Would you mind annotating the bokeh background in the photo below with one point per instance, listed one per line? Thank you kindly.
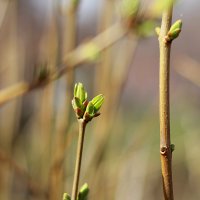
(38, 131)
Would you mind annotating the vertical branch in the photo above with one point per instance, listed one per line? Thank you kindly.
(165, 146)
(82, 125)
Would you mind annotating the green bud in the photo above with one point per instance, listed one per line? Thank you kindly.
(83, 109)
(76, 103)
(79, 91)
(66, 196)
(90, 108)
(174, 30)
(129, 8)
(78, 107)
(174, 34)
(97, 102)
(172, 147)
(176, 25)
(89, 112)
(83, 193)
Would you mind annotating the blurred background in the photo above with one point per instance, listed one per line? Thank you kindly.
(38, 129)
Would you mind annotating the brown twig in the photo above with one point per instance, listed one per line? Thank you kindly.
(165, 144)
(71, 61)
(82, 126)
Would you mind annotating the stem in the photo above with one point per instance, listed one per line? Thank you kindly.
(165, 150)
(82, 126)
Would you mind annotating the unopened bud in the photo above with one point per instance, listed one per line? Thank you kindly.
(174, 31)
(89, 112)
(79, 91)
(97, 102)
(83, 193)
(172, 147)
(66, 196)
(78, 107)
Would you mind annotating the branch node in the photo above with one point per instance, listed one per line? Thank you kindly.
(163, 150)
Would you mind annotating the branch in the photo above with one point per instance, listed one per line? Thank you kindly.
(71, 61)
(165, 145)
(82, 126)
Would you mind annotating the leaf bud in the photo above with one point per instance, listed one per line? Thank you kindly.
(66, 196)
(97, 102)
(174, 31)
(83, 193)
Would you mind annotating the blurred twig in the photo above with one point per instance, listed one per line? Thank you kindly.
(189, 69)
(72, 60)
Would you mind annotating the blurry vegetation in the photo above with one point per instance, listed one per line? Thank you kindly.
(111, 47)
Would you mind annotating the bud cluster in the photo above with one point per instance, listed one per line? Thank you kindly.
(83, 108)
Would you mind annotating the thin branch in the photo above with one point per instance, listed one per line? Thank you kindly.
(82, 126)
(165, 145)
(71, 61)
